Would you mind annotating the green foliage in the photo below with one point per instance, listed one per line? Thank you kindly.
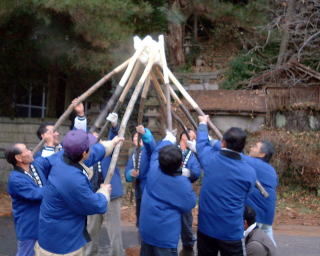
(154, 23)
(245, 66)
(80, 34)
(252, 13)
(241, 68)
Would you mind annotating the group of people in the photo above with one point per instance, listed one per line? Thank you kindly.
(61, 205)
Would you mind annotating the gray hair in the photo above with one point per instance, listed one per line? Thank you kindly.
(268, 149)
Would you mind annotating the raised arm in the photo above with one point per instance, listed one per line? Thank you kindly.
(147, 138)
(80, 121)
(204, 149)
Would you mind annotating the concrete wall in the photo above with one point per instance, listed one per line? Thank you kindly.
(19, 130)
(250, 124)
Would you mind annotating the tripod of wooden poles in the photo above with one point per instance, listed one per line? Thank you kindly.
(151, 55)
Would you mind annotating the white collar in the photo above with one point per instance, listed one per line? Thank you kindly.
(249, 229)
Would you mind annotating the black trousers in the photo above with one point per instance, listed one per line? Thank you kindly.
(209, 246)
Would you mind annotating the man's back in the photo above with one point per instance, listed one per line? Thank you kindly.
(259, 244)
(226, 184)
(227, 181)
(164, 199)
(67, 200)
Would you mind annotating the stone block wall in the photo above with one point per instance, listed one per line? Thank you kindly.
(297, 120)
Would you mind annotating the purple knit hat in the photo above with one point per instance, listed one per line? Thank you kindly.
(75, 142)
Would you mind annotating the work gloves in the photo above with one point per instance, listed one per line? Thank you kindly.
(170, 136)
(105, 189)
(192, 145)
(113, 119)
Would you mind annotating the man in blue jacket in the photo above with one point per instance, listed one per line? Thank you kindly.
(137, 170)
(227, 182)
(259, 157)
(68, 198)
(167, 195)
(25, 186)
(191, 169)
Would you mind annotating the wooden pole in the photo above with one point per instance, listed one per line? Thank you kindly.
(140, 119)
(109, 105)
(81, 98)
(180, 103)
(166, 82)
(143, 100)
(126, 117)
(122, 96)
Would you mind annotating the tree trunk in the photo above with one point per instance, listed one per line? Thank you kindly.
(286, 34)
(195, 27)
(175, 37)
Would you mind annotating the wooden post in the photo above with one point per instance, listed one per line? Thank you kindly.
(81, 98)
(126, 117)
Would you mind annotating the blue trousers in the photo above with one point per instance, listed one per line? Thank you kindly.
(25, 248)
(187, 237)
(150, 250)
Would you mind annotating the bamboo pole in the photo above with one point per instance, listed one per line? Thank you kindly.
(81, 98)
(180, 103)
(140, 118)
(109, 105)
(126, 117)
(143, 100)
(122, 96)
(166, 82)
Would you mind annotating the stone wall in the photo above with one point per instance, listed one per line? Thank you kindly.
(297, 120)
